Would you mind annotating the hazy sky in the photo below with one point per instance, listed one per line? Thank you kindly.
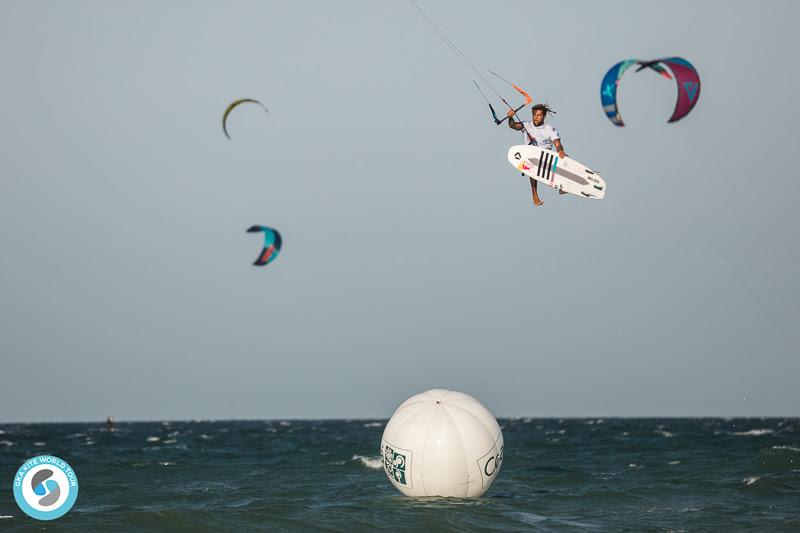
(413, 257)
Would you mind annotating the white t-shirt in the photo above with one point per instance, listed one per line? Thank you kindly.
(543, 135)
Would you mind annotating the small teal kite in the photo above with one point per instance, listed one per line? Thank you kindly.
(272, 244)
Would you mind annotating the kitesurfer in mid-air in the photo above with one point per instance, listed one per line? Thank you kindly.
(538, 133)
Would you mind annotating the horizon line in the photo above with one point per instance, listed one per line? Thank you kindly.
(386, 419)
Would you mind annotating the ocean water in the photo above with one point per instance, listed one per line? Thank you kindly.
(558, 475)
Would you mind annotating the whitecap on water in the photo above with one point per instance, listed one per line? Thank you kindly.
(373, 424)
(527, 518)
(534, 519)
(153, 439)
(6, 443)
(790, 448)
(750, 480)
(39, 444)
(753, 432)
(376, 463)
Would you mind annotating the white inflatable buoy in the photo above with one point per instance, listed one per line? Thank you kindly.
(442, 443)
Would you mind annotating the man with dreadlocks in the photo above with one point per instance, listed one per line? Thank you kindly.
(538, 133)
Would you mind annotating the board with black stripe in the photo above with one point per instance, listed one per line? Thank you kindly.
(564, 174)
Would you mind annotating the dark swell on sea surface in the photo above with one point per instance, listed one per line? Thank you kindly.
(558, 475)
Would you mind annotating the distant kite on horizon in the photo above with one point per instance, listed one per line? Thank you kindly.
(684, 74)
(232, 106)
(272, 244)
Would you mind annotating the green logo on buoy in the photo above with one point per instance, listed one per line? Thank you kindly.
(397, 465)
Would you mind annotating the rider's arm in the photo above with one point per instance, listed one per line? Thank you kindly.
(513, 124)
(559, 147)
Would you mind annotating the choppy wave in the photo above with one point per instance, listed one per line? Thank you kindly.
(777, 484)
(376, 463)
(754, 432)
(533, 519)
(528, 518)
(777, 458)
(789, 448)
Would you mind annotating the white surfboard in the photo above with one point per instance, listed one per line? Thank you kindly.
(564, 174)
